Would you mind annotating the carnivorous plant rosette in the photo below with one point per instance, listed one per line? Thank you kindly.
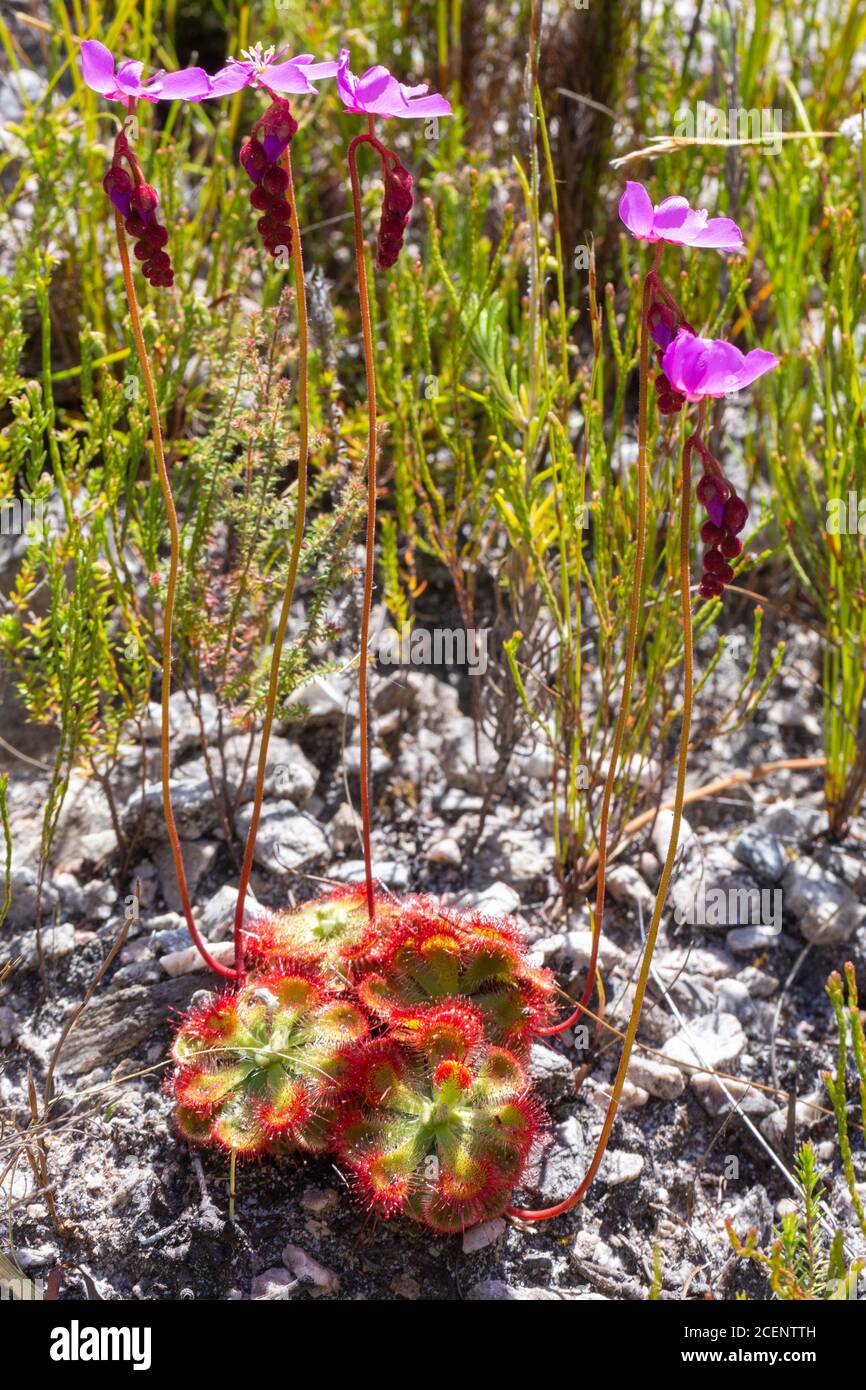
(443, 1134)
(261, 1068)
(431, 955)
(332, 930)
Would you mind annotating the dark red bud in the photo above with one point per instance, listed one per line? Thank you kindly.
(731, 546)
(144, 201)
(736, 514)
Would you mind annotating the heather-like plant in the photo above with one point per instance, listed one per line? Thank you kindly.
(801, 1264)
(849, 1022)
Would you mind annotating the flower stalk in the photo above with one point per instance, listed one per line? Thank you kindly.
(294, 563)
(547, 1213)
(171, 591)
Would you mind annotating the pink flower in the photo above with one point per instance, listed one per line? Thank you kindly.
(260, 68)
(122, 82)
(673, 220)
(377, 93)
(699, 367)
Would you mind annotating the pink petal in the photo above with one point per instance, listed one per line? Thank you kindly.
(231, 79)
(427, 106)
(288, 77)
(755, 364)
(373, 85)
(188, 84)
(97, 66)
(317, 70)
(128, 79)
(671, 213)
(720, 233)
(725, 368)
(636, 210)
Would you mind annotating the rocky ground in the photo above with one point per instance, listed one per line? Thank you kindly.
(147, 1218)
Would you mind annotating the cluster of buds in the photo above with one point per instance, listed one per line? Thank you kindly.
(396, 207)
(260, 156)
(137, 202)
(397, 1045)
(664, 321)
(727, 514)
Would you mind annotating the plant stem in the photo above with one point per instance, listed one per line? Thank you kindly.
(233, 1166)
(370, 539)
(171, 589)
(545, 1214)
(294, 562)
(630, 649)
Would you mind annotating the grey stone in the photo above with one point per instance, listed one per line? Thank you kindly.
(497, 1291)
(659, 1078)
(190, 959)
(309, 1271)
(197, 855)
(22, 909)
(444, 850)
(551, 1072)
(718, 1038)
(287, 839)
(57, 942)
(460, 764)
(618, 1168)
(709, 1092)
(763, 853)
(117, 1021)
(289, 774)
(217, 919)
(391, 872)
(626, 885)
(195, 810)
(99, 899)
(744, 940)
(826, 909)
(479, 1237)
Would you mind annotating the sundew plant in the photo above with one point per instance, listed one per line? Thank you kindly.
(537, 334)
